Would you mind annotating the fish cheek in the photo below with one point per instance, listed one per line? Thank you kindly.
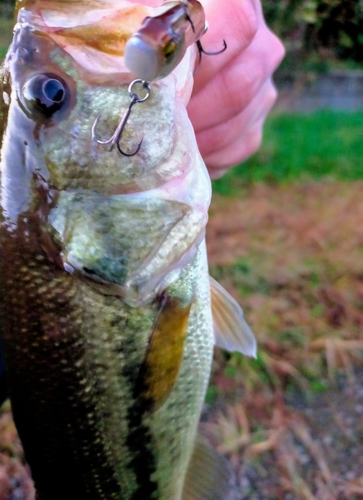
(40, 94)
(160, 368)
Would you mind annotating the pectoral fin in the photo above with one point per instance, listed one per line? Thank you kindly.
(230, 328)
(209, 476)
(164, 356)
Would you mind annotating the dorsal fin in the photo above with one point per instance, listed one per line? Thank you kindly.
(209, 475)
(230, 328)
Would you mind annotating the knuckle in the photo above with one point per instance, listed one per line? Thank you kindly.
(236, 153)
(277, 50)
(216, 138)
(271, 96)
(234, 99)
(253, 78)
(240, 86)
(248, 20)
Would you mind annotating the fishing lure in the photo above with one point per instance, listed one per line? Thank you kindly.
(116, 137)
(156, 49)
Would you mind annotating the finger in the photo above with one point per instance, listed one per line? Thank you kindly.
(225, 134)
(238, 147)
(218, 162)
(231, 90)
(237, 27)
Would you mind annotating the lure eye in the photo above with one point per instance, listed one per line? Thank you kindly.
(45, 93)
(169, 50)
(150, 61)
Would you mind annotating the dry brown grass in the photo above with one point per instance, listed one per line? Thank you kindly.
(293, 257)
(304, 249)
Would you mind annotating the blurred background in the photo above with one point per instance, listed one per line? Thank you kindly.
(286, 239)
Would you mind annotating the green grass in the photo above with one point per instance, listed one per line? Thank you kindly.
(6, 34)
(298, 147)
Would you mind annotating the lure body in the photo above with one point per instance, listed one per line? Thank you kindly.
(160, 43)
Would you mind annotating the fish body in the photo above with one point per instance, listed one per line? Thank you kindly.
(105, 303)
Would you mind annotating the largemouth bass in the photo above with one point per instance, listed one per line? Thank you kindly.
(105, 298)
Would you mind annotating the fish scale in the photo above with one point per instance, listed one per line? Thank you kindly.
(68, 406)
(44, 394)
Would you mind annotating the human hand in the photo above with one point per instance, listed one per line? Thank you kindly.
(233, 91)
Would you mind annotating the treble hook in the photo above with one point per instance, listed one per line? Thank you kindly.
(116, 137)
(199, 43)
(202, 51)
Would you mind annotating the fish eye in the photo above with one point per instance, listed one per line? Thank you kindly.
(45, 93)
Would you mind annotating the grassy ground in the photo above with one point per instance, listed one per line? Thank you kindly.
(6, 27)
(300, 147)
(286, 238)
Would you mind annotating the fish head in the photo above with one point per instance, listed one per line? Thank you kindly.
(53, 161)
